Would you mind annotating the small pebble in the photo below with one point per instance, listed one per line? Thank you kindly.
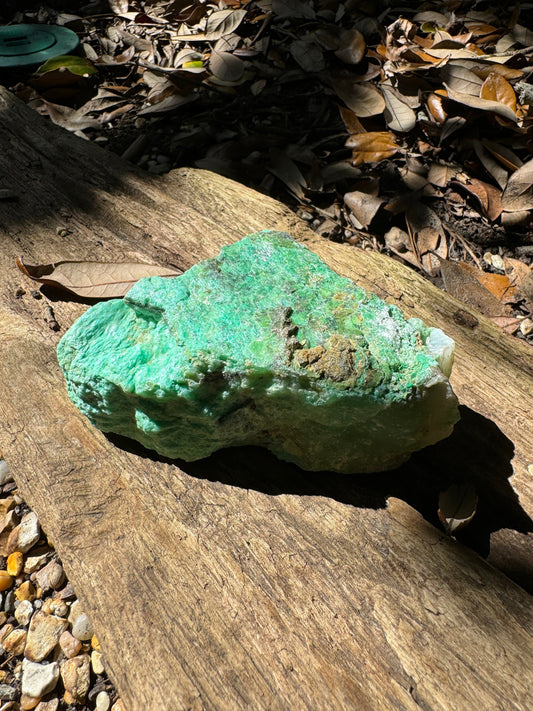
(15, 642)
(7, 693)
(75, 610)
(24, 612)
(51, 576)
(35, 561)
(97, 663)
(5, 473)
(95, 644)
(9, 602)
(162, 159)
(76, 673)
(43, 635)
(526, 326)
(28, 533)
(103, 701)
(6, 581)
(15, 563)
(39, 679)
(55, 606)
(51, 705)
(5, 630)
(118, 706)
(26, 591)
(82, 628)
(497, 262)
(28, 702)
(69, 644)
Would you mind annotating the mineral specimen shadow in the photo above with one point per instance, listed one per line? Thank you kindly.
(477, 453)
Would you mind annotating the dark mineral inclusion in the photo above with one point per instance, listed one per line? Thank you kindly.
(262, 345)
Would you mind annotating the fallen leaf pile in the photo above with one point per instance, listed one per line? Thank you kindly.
(407, 130)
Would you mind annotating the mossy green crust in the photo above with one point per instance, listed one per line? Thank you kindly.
(263, 345)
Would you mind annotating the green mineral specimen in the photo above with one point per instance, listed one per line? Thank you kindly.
(262, 345)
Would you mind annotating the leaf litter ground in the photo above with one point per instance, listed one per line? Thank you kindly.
(406, 132)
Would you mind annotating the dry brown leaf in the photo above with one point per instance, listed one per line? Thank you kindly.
(508, 324)
(440, 174)
(497, 88)
(457, 506)
(492, 166)
(363, 206)
(483, 71)
(434, 103)
(516, 270)
(476, 102)
(499, 285)
(398, 115)
(504, 155)
(489, 197)
(459, 281)
(518, 195)
(461, 79)
(352, 123)
(226, 66)
(362, 99)
(93, 280)
(372, 147)
(119, 7)
(352, 46)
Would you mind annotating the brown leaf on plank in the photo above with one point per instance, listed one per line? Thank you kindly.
(372, 147)
(499, 285)
(508, 324)
(93, 280)
(459, 281)
(457, 506)
(488, 196)
(497, 88)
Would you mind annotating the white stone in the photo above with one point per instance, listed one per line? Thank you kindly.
(5, 473)
(28, 532)
(23, 612)
(82, 628)
(103, 702)
(38, 679)
(96, 662)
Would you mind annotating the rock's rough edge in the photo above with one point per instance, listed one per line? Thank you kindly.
(317, 393)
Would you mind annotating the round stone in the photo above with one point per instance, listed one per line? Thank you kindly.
(82, 628)
(103, 701)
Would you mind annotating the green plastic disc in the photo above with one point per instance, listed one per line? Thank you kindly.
(27, 45)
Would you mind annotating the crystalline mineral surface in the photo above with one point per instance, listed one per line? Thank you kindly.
(265, 345)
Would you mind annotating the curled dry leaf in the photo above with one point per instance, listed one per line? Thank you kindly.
(372, 147)
(362, 99)
(497, 88)
(352, 47)
(461, 282)
(363, 206)
(476, 102)
(518, 195)
(93, 280)
(398, 115)
(488, 196)
(457, 506)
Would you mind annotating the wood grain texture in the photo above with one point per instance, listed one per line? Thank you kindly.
(240, 581)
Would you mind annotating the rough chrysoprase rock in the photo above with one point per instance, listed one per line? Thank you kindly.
(263, 345)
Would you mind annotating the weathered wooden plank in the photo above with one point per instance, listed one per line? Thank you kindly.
(240, 581)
